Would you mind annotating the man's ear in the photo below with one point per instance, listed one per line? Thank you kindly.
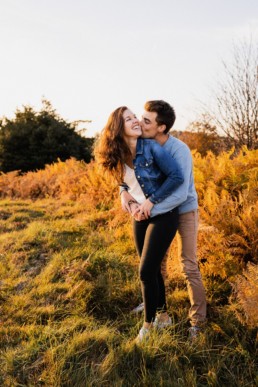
(161, 128)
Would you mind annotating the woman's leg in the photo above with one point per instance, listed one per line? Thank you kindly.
(161, 305)
(152, 238)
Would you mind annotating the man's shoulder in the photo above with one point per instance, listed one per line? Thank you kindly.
(174, 144)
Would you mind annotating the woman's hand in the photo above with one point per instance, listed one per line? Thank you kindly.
(135, 212)
(145, 209)
(134, 206)
(125, 199)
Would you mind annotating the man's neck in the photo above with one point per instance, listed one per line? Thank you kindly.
(161, 138)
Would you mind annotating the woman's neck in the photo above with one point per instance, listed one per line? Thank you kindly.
(132, 142)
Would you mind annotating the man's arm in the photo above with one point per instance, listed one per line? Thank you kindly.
(184, 160)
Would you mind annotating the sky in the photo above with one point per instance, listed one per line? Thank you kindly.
(87, 57)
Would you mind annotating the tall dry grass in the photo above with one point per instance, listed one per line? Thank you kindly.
(68, 280)
(227, 188)
(246, 296)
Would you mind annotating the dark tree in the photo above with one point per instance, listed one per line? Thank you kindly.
(33, 139)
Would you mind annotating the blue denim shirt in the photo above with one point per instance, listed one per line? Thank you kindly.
(156, 171)
(184, 197)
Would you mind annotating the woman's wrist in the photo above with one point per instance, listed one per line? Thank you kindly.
(132, 201)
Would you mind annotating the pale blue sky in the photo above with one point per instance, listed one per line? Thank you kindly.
(89, 57)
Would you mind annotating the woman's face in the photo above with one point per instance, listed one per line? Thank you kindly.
(131, 125)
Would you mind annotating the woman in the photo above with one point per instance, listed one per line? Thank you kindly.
(150, 175)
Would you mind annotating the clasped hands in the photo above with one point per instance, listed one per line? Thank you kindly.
(138, 211)
(141, 211)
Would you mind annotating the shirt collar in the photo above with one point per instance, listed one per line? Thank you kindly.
(139, 146)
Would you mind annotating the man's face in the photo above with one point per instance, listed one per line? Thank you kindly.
(149, 125)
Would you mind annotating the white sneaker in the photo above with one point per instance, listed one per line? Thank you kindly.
(143, 335)
(194, 332)
(138, 309)
(162, 324)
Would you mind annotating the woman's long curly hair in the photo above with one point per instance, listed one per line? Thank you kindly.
(111, 151)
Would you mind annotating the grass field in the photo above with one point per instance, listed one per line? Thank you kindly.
(69, 280)
(68, 284)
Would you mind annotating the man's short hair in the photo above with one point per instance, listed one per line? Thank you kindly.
(165, 113)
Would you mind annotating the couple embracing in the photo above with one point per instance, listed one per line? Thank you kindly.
(155, 174)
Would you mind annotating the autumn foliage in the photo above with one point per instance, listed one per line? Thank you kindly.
(227, 190)
(69, 281)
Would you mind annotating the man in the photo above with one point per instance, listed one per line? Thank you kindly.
(157, 120)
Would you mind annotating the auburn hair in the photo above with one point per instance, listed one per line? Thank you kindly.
(111, 150)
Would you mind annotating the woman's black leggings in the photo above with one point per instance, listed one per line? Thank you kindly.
(152, 238)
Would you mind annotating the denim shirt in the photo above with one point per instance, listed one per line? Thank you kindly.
(156, 171)
(184, 197)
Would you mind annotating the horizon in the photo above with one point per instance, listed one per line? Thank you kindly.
(88, 59)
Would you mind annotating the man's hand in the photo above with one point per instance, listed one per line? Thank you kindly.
(136, 213)
(145, 208)
(125, 198)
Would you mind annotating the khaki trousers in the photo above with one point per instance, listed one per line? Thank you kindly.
(187, 250)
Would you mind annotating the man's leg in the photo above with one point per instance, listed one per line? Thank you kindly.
(188, 228)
